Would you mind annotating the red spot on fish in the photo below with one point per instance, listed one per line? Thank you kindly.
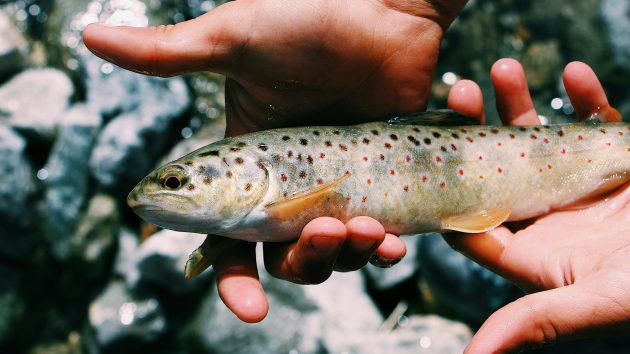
(499, 144)
(386, 194)
(469, 139)
(406, 188)
(481, 177)
(289, 154)
(461, 172)
(320, 181)
(407, 158)
(438, 159)
(608, 144)
(302, 174)
(347, 173)
(348, 198)
(369, 181)
(453, 147)
(522, 154)
(602, 130)
(363, 199)
(540, 170)
(500, 170)
(443, 148)
(443, 185)
(392, 172)
(480, 157)
(283, 177)
(591, 161)
(533, 136)
(388, 145)
(365, 158)
(382, 157)
(424, 179)
(512, 136)
(621, 133)
(549, 167)
(580, 138)
(322, 155)
(563, 151)
(546, 141)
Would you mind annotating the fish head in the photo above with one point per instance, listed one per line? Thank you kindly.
(203, 195)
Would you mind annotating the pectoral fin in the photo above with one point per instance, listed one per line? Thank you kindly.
(476, 222)
(207, 254)
(607, 185)
(286, 208)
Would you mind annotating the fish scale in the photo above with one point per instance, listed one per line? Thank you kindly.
(266, 186)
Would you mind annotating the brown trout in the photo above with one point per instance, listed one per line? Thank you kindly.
(415, 175)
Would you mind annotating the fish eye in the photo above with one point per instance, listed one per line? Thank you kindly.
(172, 183)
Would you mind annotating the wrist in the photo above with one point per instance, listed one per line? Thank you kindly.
(443, 12)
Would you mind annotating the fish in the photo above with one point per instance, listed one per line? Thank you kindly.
(428, 172)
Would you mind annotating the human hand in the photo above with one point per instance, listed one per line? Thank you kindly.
(574, 262)
(294, 63)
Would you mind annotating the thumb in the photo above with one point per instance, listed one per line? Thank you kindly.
(541, 319)
(204, 43)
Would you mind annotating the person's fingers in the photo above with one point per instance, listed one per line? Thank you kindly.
(204, 43)
(312, 258)
(238, 283)
(390, 252)
(465, 97)
(587, 94)
(545, 318)
(514, 103)
(364, 236)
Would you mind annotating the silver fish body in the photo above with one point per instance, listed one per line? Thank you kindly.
(267, 185)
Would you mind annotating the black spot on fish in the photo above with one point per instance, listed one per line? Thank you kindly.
(427, 141)
(394, 137)
(413, 140)
(299, 157)
(302, 174)
(235, 149)
(537, 129)
(443, 148)
(512, 136)
(560, 133)
(241, 144)
(375, 132)
(286, 138)
(276, 157)
(229, 174)
(415, 129)
(207, 180)
(343, 147)
(494, 131)
(436, 135)
(533, 136)
(188, 163)
(328, 143)
(336, 132)
(382, 157)
(523, 129)
(366, 141)
(191, 187)
(388, 145)
(303, 142)
(482, 134)
(309, 159)
(316, 133)
(455, 136)
(289, 154)
(209, 153)
(353, 142)
(201, 169)
(248, 187)
(239, 160)
(602, 130)
(263, 146)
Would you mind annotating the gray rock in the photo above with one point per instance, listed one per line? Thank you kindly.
(383, 279)
(96, 234)
(416, 334)
(120, 323)
(34, 101)
(13, 47)
(301, 318)
(461, 286)
(130, 144)
(616, 16)
(161, 261)
(16, 186)
(125, 265)
(68, 176)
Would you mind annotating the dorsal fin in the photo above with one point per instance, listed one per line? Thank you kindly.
(442, 117)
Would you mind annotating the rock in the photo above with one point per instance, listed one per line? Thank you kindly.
(415, 334)
(125, 265)
(383, 279)
(10, 304)
(460, 286)
(120, 323)
(96, 234)
(301, 318)
(616, 17)
(13, 48)
(131, 143)
(16, 185)
(68, 176)
(34, 101)
(161, 261)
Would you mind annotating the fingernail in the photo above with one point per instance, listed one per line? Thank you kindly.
(326, 245)
(383, 262)
(363, 245)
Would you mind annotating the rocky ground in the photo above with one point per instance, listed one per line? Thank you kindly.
(79, 272)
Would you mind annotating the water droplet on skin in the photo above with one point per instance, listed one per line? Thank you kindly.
(187, 132)
(107, 68)
(42, 174)
(425, 342)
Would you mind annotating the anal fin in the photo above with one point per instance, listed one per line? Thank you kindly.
(476, 222)
(608, 185)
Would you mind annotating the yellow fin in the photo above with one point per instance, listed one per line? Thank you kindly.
(207, 254)
(476, 222)
(295, 204)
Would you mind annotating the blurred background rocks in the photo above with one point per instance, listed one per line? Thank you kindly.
(79, 273)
